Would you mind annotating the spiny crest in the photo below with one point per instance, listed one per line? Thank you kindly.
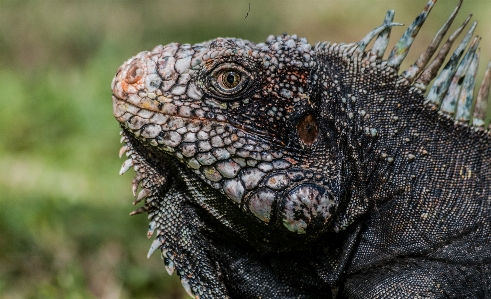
(452, 91)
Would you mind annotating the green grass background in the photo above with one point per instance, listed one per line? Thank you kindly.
(64, 225)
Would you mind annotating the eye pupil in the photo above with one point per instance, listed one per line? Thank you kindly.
(229, 79)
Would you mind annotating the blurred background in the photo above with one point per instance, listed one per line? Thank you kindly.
(64, 225)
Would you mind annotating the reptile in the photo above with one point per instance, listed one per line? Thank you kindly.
(286, 170)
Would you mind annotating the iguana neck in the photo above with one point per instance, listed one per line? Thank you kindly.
(393, 140)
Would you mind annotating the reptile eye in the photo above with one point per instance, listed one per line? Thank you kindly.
(229, 80)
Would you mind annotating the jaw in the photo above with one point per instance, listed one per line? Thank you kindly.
(161, 175)
(203, 237)
(166, 156)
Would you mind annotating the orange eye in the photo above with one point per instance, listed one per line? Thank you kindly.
(229, 79)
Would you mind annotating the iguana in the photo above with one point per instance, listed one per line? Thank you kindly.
(285, 170)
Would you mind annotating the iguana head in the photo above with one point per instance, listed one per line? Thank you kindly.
(243, 118)
(277, 127)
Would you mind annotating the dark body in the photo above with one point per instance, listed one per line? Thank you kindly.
(279, 170)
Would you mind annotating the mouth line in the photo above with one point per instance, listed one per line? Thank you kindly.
(175, 173)
(149, 105)
(151, 161)
(144, 151)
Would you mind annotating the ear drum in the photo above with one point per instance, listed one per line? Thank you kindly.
(307, 129)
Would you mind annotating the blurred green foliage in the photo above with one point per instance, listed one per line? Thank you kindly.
(64, 229)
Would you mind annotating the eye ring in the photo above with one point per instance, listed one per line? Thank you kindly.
(229, 80)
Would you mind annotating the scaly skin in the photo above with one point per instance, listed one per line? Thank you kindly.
(278, 170)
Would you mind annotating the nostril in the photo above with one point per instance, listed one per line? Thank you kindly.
(134, 73)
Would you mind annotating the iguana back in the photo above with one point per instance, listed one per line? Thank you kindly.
(281, 170)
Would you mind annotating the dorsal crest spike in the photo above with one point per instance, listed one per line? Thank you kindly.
(450, 100)
(400, 50)
(382, 40)
(361, 45)
(412, 73)
(442, 82)
(431, 71)
(467, 94)
(479, 116)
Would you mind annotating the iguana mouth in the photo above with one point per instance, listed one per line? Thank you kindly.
(150, 158)
(126, 109)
